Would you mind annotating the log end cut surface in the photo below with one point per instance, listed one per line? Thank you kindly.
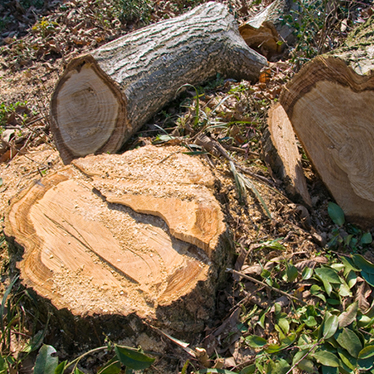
(88, 110)
(121, 234)
(330, 107)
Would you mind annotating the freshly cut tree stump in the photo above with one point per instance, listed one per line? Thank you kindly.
(330, 104)
(282, 154)
(139, 233)
(104, 97)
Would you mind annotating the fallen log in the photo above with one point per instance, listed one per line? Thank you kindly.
(329, 103)
(104, 97)
(139, 234)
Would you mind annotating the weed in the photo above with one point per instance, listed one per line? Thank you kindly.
(7, 110)
(45, 27)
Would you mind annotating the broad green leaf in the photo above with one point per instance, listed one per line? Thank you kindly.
(315, 289)
(336, 214)
(347, 317)
(328, 274)
(77, 371)
(113, 366)
(338, 267)
(369, 277)
(3, 365)
(310, 321)
(291, 273)
(349, 341)
(255, 341)
(344, 290)
(306, 366)
(347, 359)
(330, 326)
(273, 348)
(351, 278)
(349, 265)
(326, 358)
(367, 352)
(327, 286)
(363, 264)
(284, 325)
(281, 367)
(363, 321)
(61, 367)
(299, 355)
(250, 369)
(333, 301)
(45, 363)
(366, 238)
(132, 358)
(307, 273)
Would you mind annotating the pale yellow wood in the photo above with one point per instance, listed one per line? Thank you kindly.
(122, 234)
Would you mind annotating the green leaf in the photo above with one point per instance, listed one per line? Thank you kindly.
(310, 321)
(366, 238)
(281, 367)
(327, 286)
(307, 273)
(365, 363)
(77, 371)
(351, 278)
(326, 358)
(1, 182)
(306, 366)
(250, 369)
(369, 277)
(255, 341)
(113, 366)
(132, 358)
(347, 359)
(363, 264)
(349, 265)
(45, 362)
(367, 352)
(349, 341)
(330, 326)
(330, 370)
(291, 273)
(61, 367)
(3, 365)
(35, 342)
(327, 274)
(347, 317)
(336, 214)
(284, 325)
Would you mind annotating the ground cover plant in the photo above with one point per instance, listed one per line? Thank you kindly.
(300, 297)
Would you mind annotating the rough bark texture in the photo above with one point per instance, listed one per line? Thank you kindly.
(282, 154)
(106, 96)
(119, 235)
(329, 103)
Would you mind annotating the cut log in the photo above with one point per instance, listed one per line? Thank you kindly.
(281, 153)
(329, 103)
(104, 97)
(117, 235)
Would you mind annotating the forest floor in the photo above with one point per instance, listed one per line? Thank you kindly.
(37, 39)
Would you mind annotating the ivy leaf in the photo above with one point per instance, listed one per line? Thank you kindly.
(255, 341)
(326, 358)
(349, 341)
(132, 358)
(336, 214)
(45, 362)
(347, 317)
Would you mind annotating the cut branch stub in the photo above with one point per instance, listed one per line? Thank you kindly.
(330, 108)
(120, 234)
(106, 96)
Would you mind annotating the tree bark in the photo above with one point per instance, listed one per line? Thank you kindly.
(329, 103)
(119, 235)
(104, 97)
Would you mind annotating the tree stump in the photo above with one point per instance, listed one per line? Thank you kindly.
(104, 97)
(115, 235)
(329, 103)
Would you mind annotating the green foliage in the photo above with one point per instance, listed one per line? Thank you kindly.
(7, 110)
(321, 334)
(132, 359)
(350, 237)
(45, 27)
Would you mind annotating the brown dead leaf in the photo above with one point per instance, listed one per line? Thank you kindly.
(362, 293)
(311, 263)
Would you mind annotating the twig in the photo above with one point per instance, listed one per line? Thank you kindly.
(267, 286)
